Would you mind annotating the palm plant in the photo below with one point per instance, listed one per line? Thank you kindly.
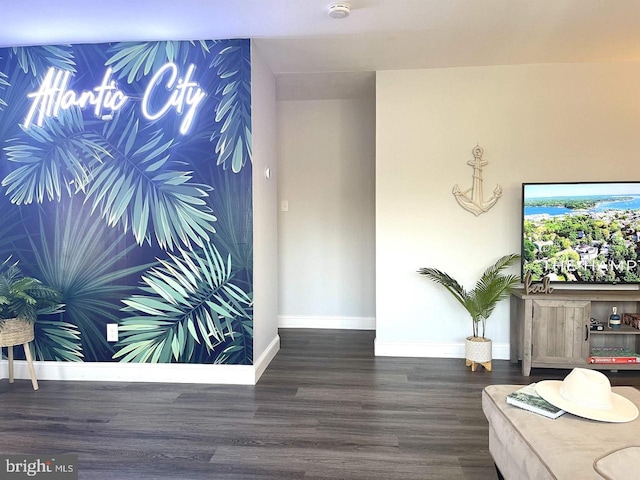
(480, 301)
(24, 297)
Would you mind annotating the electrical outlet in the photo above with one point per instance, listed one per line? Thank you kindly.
(112, 332)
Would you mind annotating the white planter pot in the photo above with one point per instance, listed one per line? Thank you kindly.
(478, 349)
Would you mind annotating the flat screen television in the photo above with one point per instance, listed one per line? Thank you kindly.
(585, 232)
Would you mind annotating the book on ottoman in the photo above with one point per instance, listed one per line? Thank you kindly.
(528, 399)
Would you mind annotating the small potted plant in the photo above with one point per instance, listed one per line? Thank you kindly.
(480, 302)
(21, 299)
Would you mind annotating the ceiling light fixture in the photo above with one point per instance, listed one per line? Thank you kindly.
(339, 10)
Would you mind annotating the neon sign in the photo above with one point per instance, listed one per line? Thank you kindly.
(181, 94)
(54, 95)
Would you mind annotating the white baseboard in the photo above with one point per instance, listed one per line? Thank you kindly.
(340, 323)
(138, 372)
(265, 359)
(437, 350)
(146, 372)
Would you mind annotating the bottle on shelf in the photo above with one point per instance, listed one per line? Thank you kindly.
(614, 319)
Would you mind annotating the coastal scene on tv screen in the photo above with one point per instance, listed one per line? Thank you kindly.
(581, 232)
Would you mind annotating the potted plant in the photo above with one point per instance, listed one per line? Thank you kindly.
(21, 299)
(480, 302)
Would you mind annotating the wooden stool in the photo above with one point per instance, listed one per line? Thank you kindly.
(16, 331)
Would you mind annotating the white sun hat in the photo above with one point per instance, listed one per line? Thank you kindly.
(587, 393)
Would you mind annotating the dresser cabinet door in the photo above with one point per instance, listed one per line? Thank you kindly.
(560, 332)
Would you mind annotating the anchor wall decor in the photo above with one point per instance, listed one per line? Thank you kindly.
(472, 199)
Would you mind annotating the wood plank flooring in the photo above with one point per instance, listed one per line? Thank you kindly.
(326, 408)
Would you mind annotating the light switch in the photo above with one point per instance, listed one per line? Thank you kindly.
(285, 206)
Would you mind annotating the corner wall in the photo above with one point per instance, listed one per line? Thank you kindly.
(569, 122)
(266, 341)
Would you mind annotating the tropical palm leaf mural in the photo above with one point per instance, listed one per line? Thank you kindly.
(57, 157)
(14, 96)
(13, 234)
(134, 60)
(232, 64)
(37, 60)
(233, 113)
(99, 198)
(140, 188)
(3, 83)
(58, 341)
(189, 299)
(239, 347)
(127, 171)
(76, 254)
(234, 226)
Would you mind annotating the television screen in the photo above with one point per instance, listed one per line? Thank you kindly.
(581, 232)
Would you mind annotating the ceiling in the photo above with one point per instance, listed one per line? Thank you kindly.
(315, 56)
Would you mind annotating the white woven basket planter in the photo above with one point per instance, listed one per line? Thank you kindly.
(18, 331)
(15, 331)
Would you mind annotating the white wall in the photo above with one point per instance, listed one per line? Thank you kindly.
(570, 122)
(266, 341)
(326, 156)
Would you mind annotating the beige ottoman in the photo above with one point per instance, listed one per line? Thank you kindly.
(525, 445)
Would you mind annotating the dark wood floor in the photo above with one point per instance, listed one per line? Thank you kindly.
(326, 408)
